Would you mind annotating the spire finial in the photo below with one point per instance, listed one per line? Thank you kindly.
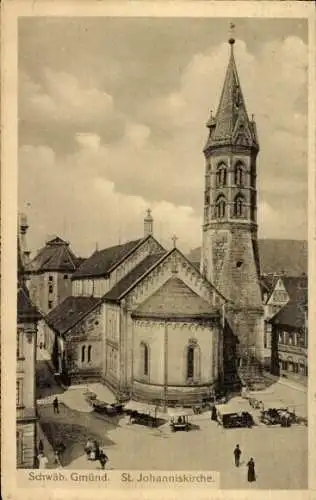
(174, 239)
(148, 223)
(231, 39)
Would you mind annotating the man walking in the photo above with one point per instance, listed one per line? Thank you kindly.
(56, 405)
(237, 453)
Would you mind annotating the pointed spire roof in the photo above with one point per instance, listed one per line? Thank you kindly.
(231, 125)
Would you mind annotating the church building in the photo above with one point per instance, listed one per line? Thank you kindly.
(145, 320)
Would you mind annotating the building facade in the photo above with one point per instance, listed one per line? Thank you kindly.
(288, 328)
(49, 278)
(230, 258)
(26, 413)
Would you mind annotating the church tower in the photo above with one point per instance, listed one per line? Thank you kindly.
(230, 257)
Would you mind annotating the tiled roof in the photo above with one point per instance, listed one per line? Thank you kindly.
(231, 117)
(293, 313)
(175, 299)
(283, 256)
(70, 312)
(296, 287)
(275, 256)
(101, 261)
(125, 283)
(25, 309)
(55, 256)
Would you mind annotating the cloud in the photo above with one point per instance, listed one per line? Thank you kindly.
(88, 208)
(156, 160)
(61, 98)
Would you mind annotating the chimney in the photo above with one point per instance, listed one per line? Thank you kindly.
(148, 224)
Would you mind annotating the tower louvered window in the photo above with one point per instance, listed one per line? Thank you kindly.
(220, 208)
(239, 174)
(221, 174)
(239, 206)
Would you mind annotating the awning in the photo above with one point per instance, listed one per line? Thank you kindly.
(270, 404)
(180, 412)
(232, 407)
(140, 407)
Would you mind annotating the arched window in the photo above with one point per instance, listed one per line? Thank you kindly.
(193, 361)
(89, 353)
(220, 210)
(190, 362)
(83, 352)
(221, 174)
(239, 206)
(239, 174)
(144, 359)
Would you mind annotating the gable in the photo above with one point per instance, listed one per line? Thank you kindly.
(279, 294)
(174, 263)
(173, 299)
(101, 261)
(147, 247)
(114, 262)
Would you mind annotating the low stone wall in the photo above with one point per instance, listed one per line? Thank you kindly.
(84, 376)
(181, 395)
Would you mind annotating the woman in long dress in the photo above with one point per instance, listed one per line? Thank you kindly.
(251, 471)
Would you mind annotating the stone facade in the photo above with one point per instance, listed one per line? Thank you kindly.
(161, 359)
(230, 257)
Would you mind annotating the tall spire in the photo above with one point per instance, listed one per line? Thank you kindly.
(231, 125)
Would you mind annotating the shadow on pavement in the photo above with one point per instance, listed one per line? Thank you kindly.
(73, 428)
(46, 385)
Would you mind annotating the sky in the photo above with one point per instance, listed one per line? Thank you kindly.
(112, 121)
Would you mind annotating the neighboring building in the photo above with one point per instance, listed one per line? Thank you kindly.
(277, 292)
(26, 414)
(287, 334)
(230, 258)
(49, 277)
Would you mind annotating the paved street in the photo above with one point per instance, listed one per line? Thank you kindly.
(280, 454)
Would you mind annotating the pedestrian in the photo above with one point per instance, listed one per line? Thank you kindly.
(103, 459)
(214, 414)
(251, 471)
(40, 446)
(42, 461)
(56, 405)
(57, 459)
(237, 453)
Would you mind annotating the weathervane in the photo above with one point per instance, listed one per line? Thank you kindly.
(231, 33)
